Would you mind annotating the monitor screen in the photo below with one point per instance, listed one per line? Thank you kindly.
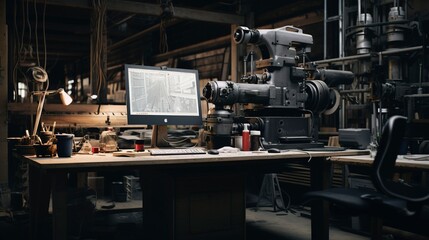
(162, 96)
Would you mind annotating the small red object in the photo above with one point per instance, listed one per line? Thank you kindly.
(95, 149)
(139, 146)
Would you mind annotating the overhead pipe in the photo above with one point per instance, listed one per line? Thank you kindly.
(362, 56)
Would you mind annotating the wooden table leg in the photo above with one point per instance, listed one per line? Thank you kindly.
(39, 190)
(320, 179)
(59, 206)
(158, 205)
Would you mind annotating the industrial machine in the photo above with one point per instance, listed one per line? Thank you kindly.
(391, 66)
(283, 98)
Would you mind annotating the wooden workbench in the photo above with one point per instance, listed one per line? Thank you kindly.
(184, 197)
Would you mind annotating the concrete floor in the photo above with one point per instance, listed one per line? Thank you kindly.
(263, 224)
(266, 224)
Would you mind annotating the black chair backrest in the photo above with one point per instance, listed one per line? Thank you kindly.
(385, 160)
(424, 147)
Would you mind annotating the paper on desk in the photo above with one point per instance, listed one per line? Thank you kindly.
(130, 153)
(417, 157)
(129, 137)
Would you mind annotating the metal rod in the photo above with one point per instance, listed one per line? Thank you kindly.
(251, 63)
(374, 123)
(378, 23)
(367, 55)
(341, 24)
(245, 66)
(355, 91)
(420, 90)
(325, 19)
(359, 8)
(406, 9)
(340, 29)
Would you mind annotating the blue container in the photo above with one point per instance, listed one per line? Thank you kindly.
(64, 145)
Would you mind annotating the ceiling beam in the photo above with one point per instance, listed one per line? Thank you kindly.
(299, 21)
(63, 54)
(289, 10)
(134, 37)
(153, 10)
(202, 46)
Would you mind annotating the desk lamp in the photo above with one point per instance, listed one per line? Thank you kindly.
(41, 76)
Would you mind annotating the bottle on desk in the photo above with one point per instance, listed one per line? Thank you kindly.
(245, 137)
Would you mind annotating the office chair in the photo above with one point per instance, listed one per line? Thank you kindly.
(394, 199)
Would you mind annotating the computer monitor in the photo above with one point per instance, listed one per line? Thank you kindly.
(162, 96)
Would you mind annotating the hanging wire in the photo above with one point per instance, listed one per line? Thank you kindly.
(166, 15)
(44, 34)
(18, 47)
(29, 26)
(163, 42)
(100, 12)
(22, 51)
(35, 33)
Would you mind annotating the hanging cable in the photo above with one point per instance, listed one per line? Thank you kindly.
(99, 43)
(163, 43)
(35, 33)
(167, 12)
(44, 34)
(29, 29)
(17, 48)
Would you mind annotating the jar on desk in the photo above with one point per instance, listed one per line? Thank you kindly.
(108, 141)
(255, 136)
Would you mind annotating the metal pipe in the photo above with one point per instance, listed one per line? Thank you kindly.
(355, 91)
(374, 123)
(356, 57)
(325, 19)
(245, 65)
(342, 111)
(406, 9)
(380, 116)
(359, 8)
(340, 28)
(378, 23)
(420, 89)
(251, 63)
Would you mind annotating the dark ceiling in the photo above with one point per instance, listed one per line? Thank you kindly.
(67, 27)
(61, 30)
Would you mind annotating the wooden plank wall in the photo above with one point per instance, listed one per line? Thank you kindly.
(89, 115)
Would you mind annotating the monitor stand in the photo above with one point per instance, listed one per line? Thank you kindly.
(159, 136)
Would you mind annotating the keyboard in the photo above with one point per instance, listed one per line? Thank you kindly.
(325, 149)
(176, 151)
